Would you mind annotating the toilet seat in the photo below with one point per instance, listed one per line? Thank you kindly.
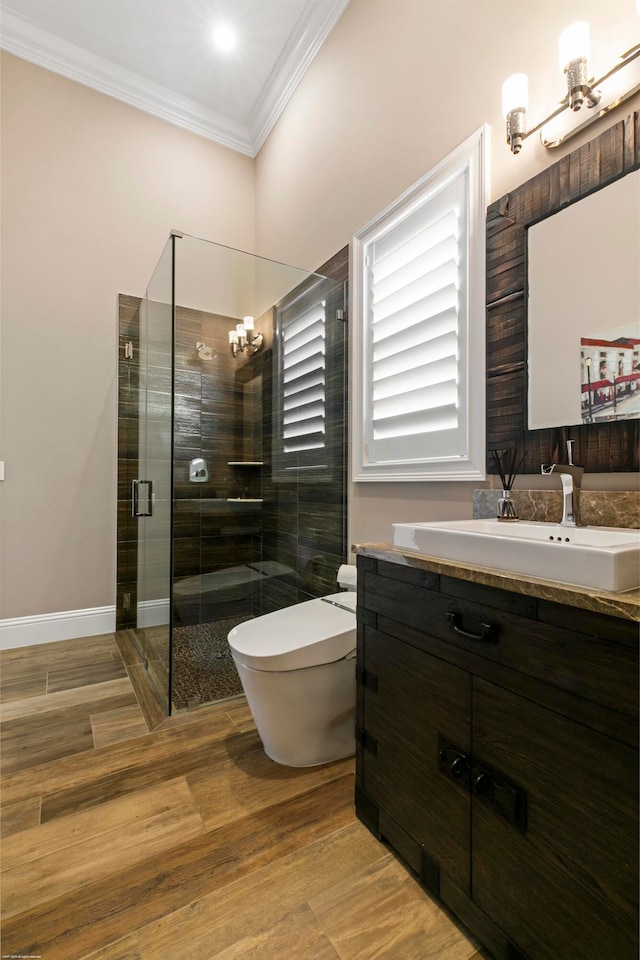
(304, 635)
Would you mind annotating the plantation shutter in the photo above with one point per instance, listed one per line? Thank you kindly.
(303, 417)
(414, 277)
(419, 359)
(306, 414)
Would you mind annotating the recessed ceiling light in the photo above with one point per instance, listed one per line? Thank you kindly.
(224, 37)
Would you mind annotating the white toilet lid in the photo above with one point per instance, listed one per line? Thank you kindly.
(303, 635)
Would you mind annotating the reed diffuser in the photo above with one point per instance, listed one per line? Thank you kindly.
(507, 465)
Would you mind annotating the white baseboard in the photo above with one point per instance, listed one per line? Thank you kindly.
(49, 627)
(71, 624)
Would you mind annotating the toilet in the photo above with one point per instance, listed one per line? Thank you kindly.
(297, 668)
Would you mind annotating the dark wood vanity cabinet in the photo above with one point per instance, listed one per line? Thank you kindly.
(498, 754)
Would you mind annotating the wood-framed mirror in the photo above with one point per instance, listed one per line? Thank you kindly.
(599, 447)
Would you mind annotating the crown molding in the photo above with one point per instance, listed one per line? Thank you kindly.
(25, 39)
(312, 29)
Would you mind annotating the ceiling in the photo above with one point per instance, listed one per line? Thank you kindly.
(159, 55)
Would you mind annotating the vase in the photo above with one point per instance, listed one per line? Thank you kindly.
(506, 508)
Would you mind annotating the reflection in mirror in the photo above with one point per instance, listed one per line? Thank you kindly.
(252, 420)
(614, 394)
(584, 310)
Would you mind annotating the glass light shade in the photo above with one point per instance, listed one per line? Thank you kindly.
(515, 93)
(233, 336)
(248, 322)
(574, 43)
(240, 330)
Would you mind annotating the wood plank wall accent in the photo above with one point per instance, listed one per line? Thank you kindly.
(601, 448)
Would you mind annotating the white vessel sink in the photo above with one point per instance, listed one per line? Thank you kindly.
(604, 558)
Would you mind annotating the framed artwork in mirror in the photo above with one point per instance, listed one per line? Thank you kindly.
(602, 444)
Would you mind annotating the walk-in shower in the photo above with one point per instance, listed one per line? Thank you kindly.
(231, 456)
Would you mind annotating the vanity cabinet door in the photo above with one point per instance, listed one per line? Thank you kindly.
(416, 717)
(563, 883)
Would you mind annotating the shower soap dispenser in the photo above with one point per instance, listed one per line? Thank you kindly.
(198, 471)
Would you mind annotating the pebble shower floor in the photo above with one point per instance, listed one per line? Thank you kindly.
(202, 663)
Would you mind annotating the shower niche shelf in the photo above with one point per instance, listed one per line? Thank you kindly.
(251, 482)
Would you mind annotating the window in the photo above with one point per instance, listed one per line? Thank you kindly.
(303, 371)
(418, 304)
(308, 381)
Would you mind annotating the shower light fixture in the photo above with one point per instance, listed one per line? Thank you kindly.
(245, 338)
(599, 96)
(205, 352)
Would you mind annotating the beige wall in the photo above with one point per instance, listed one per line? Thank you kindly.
(90, 190)
(397, 85)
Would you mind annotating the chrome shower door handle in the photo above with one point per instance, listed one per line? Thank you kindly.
(142, 498)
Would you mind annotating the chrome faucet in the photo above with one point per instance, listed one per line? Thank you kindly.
(571, 478)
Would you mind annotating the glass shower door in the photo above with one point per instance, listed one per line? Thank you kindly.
(151, 490)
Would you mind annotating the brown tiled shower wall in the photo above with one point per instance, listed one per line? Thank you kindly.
(300, 523)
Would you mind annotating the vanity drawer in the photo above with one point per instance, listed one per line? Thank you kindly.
(598, 661)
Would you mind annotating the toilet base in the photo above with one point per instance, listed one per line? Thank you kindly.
(304, 717)
(318, 763)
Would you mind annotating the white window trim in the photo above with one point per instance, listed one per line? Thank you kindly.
(469, 160)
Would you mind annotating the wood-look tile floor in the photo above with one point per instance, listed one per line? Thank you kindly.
(184, 842)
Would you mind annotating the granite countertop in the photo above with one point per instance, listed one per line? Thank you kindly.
(624, 605)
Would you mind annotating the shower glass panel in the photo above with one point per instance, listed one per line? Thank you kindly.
(244, 542)
(151, 493)
(239, 490)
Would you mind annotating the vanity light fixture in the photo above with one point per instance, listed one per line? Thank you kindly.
(599, 96)
(244, 338)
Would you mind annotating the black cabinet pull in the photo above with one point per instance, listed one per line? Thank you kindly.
(488, 631)
(503, 795)
(459, 767)
(481, 783)
(454, 762)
